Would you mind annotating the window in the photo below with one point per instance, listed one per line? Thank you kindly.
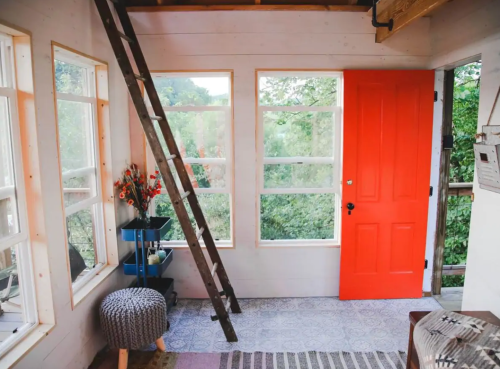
(198, 109)
(298, 144)
(77, 125)
(17, 296)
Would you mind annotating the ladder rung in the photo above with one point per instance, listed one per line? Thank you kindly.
(214, 268)
(185, 194)
(139, 77)
(199, 233)
(125, 37)
(228, 303)
(170, 157)
(155, 117)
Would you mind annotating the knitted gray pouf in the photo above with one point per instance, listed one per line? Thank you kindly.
(133, 317)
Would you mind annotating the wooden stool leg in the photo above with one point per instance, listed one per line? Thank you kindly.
(123, 359)
(161, 344)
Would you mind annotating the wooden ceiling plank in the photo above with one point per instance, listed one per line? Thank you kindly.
(403, 12)
(197, 8)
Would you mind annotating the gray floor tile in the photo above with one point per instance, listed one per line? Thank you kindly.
(296, 324)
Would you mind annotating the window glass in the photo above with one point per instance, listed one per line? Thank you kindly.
(17, 303)
(297, 216)
(193, 91)
(216, 209)
(299, 124)
(197, 106)
(303, 133)
(298, 90)
(72, 79)
(78, 153)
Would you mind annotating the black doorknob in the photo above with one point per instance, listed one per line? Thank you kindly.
(350, 206)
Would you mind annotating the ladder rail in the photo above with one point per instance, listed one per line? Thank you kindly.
(161, 159)
(173, 150)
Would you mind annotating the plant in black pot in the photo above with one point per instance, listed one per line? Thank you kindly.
(138, 189)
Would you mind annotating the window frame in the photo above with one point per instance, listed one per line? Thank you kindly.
(228, 161)
(21, 239)
(94, 203)
(261, 160)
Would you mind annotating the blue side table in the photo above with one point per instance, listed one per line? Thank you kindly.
(137, 263)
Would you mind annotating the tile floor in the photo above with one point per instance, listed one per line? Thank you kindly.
(451, 298)
(297, 324)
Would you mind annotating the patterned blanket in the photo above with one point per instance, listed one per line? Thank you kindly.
(269, 360)
(444, 339)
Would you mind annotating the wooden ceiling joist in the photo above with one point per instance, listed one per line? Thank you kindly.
(402, 12)
(214, 5)
(255, 7)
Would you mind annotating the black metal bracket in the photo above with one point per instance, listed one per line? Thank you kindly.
(448, 142)
(375, 23)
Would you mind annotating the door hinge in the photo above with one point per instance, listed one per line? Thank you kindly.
(431, 191)
(435, 96)
(426, 263)
(448, 142)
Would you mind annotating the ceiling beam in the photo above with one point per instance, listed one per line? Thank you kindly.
(402, 12)
(193, 8)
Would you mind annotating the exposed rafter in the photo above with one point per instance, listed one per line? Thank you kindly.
(261, 7)
(403, 12)
(214, 5)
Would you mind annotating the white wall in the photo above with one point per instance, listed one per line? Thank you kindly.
(459, 30)
(243, 42)
(75, 340)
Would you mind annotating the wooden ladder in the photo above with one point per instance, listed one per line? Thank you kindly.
(117, 39)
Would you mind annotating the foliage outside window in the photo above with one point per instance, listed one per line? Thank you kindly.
(79, 158)
(18, 313)
(465, 114)
(198, 109)
(299, 135)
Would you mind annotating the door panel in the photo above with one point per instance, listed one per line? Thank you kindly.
(387, 155)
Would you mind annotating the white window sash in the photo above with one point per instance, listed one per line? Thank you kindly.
(298, 160)
(201, 161)
(8, 92)
(191, 74)
(81, 205)
(261, 160)
(7, 192)
(202, 190)
(79, 283)
(303, 74)
(12, 240)
(95, 202)
(295, 190)
(299, 108)
(81, 172)
(20, 214)
(196, 108)
(76, 98)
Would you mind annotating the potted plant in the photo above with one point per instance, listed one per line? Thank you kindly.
(138, 189)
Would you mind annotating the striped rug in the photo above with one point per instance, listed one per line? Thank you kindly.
(262, 360)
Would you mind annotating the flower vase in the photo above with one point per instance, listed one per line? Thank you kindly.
(144, 218)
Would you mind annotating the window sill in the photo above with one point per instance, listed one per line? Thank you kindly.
(86, 289)
(182, 245)
(25, 345)
(298, 243)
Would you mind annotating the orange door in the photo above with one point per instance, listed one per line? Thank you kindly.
(386, 176)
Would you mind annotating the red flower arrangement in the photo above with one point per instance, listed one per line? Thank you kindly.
(137, 190)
